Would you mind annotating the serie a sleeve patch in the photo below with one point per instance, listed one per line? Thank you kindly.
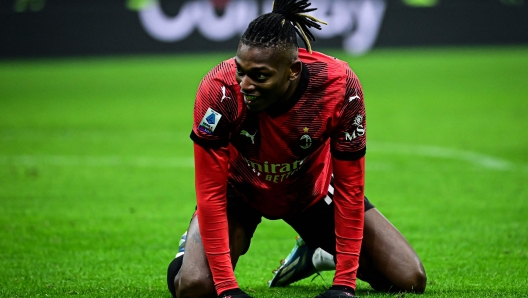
(209, 121)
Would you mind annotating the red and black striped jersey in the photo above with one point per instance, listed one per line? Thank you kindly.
(280, 159)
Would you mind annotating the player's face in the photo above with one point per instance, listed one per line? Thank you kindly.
(265, 76)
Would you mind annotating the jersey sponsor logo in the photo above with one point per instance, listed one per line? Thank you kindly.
(306, 140)
(209, 121)
(251, 136)
(275, 172)
(224, 96)
(359, 131)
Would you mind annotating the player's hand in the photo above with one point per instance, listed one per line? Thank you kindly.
(337, 292)
(234, 293)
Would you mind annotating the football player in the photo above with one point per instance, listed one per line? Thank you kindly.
(280, 132)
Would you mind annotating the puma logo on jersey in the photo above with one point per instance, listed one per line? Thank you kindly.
(224, 96)
(353, 97)
(251, 136)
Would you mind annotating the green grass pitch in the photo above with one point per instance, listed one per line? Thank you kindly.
(96, 172)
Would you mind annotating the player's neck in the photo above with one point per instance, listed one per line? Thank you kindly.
(291, 90)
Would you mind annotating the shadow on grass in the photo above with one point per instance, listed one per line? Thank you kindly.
(303, 291)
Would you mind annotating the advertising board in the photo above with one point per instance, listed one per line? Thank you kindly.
(42, 28)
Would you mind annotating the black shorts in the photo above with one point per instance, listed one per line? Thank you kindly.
(315, 225)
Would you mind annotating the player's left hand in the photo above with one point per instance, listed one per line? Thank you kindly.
(337, 292)
(234, 293)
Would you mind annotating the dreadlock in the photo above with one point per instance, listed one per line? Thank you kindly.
(280, 27)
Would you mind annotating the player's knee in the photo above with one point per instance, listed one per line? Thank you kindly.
(415, 281)
(421, 281)
(190, 288)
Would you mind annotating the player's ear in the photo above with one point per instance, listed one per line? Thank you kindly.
(295, 69)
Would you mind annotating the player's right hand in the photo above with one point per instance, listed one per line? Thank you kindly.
(338, 292)
(234, 293)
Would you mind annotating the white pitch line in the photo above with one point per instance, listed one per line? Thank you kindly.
(108, 161)
(478, 159)
(98, 161)
(74, 135)
(475, 158)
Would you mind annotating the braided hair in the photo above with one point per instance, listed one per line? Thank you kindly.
(280, 27)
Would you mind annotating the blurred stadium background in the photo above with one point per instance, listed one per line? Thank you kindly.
(96, 168)
(42, 28)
